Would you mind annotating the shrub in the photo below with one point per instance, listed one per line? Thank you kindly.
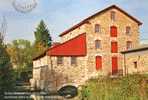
(131, 87)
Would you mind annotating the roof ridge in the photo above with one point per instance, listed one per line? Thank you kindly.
(99, 12)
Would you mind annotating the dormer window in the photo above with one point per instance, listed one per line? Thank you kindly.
(128, 30)
(113, 15)
(97, 28)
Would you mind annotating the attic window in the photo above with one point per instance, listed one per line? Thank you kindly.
(113, 15)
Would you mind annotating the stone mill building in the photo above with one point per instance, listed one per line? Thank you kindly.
(88, 49)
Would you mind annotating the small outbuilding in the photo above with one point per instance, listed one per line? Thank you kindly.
(136, 60)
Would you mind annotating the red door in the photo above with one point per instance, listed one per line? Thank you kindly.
(98, 62)
(114, 65)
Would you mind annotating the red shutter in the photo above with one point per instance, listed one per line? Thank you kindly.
(113, 31)
(114, 47)
(98, 62)
(114, 65)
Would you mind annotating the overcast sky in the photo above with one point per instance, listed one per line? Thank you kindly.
(62, 14)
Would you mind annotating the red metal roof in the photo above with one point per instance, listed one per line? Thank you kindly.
(72, 47)
(86, 20)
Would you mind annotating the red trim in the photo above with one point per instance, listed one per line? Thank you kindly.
(86, 20)
(72, 47)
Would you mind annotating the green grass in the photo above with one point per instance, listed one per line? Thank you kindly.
(131, 87)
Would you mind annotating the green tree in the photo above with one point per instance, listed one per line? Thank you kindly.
(42, 35)
(7, 79)
(20, 52)
(43, 39)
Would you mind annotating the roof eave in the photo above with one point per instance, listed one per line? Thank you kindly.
(134, 50)
(85, 20)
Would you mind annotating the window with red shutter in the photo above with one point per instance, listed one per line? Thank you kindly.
(113, 31)
(114, 65)
(98, 62)
(114, 47)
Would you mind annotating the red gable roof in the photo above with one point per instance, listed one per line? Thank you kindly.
(86, 20)
(73, 47)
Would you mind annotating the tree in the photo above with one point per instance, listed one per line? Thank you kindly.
(7, 79)
(43, 39)
(42, 35)
(20, 52)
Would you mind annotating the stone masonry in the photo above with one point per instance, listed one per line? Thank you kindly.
(86, 65)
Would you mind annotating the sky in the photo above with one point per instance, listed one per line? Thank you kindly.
(60, 15)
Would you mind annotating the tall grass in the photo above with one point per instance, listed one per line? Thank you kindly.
(131, 87)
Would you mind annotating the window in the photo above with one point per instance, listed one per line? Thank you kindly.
(128, 45)
(113, 15)
(128, 30)
(73, 60)
(114, 47)
(135, 64)
(98, 62)
(97, 28)
(59, 60)
(114, 65)
(97, 44)
(113, 31)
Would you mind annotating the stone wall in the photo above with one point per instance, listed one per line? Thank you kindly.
(105, 51)
(141, 57)
(70, 73)
(86, 66)
(74, 33)
(37, 65)
(40, 72)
